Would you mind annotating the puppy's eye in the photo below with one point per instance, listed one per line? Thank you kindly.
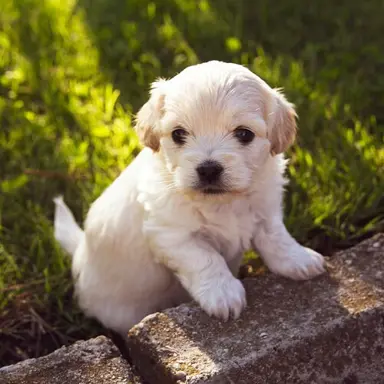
(179, 136)
(244, 135)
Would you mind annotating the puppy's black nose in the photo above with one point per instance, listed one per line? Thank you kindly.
(209, 171)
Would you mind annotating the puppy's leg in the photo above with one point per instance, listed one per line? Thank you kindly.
(201, 270)
(283, 254)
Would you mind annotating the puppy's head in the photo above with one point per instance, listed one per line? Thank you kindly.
(214, 125)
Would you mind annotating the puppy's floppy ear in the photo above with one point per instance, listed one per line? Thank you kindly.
(281, 123)
(149, 115)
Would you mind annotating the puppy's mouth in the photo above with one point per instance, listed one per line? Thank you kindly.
(211, 189)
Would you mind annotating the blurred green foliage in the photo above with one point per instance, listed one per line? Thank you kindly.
(72, 73)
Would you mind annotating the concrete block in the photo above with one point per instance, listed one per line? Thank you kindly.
(95, 361)
(327, 330)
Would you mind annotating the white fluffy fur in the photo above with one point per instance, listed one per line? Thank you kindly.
(152, 240)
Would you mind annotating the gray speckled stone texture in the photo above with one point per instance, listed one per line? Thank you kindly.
(95, 361)
(326, 330)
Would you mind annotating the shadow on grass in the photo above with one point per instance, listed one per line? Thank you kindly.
(141, 40)
(340, 46)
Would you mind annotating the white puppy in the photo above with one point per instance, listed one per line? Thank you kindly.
(207, 187)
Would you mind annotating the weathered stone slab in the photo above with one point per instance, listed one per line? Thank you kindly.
(95, 361)
(328, 330)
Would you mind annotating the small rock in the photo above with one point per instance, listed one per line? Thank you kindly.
(376, 245)
(150, 317)
(348, 262)
(180, 375)
(97, 341)
(263, 335)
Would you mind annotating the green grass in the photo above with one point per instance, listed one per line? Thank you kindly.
(73, 73)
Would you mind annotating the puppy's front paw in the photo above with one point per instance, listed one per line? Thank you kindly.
(301, 263)
(223, 297)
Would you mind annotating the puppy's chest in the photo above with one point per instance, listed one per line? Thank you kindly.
(228, 229)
